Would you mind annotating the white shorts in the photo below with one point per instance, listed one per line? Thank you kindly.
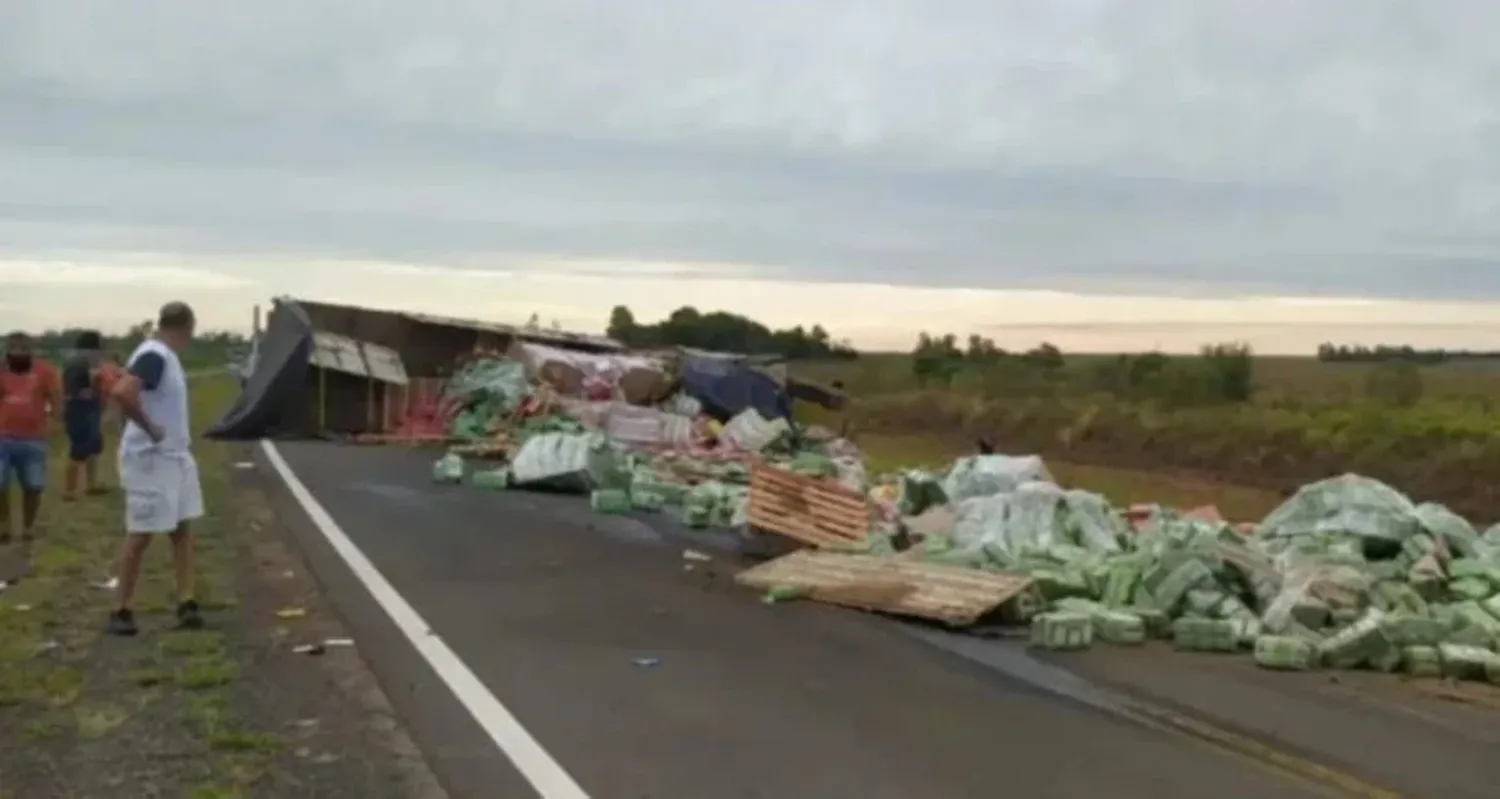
(161, 491)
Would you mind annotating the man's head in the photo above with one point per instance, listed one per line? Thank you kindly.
(89, 341)
(18, 357)
(175, 325)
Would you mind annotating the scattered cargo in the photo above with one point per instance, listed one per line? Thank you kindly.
(1348, 573)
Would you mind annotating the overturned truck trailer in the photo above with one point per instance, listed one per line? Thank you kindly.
(307, 383)
(328, 370)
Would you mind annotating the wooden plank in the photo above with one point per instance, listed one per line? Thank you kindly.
(902, 586)
(813, 511)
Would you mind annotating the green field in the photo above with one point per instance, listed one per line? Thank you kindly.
(1429, 430)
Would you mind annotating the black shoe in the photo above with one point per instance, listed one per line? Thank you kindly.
(188, 616)
(122, 623)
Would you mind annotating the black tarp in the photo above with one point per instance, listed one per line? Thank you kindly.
(276, 390)
(726, 388)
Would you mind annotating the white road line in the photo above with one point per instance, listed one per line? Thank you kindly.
(545, 774)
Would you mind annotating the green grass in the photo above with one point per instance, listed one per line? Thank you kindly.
(1304, 378)
(68, 686)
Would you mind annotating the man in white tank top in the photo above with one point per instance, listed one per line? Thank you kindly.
(157, 470)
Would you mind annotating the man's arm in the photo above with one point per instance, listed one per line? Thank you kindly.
(145, 374)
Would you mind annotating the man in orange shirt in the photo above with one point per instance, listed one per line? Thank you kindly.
(30, 390)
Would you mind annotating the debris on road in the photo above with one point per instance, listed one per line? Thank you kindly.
(1348, 573)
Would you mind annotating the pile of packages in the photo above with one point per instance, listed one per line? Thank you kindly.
(1348, 573)
(665, 456)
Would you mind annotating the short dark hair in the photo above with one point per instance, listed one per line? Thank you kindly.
(175, 316)
(17, 337)
(89, 340)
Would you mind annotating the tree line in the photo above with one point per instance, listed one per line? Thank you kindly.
(722, 331)
(1386, 353)
(1219, 373)
(209, 348)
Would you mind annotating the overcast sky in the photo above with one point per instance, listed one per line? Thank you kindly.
(1179, 163)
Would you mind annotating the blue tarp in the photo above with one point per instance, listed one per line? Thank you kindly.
(726, 388)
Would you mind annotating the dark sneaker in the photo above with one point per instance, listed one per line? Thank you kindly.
(4, 538)
(122, 623)
(188, 616)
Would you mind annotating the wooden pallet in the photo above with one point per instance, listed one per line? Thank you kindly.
(898, 585)
(814, 511)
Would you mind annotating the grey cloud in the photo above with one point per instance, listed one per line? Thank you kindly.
(1166, 146)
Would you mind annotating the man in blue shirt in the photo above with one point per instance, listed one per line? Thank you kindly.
(83, 414)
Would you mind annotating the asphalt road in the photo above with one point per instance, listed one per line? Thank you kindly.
(643, 679)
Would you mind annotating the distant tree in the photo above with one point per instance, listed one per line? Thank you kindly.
(1045, 357)
(936, 361)
(726, 332)
(1230, 371)
(1382, 353)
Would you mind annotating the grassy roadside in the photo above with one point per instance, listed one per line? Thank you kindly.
(84, 714)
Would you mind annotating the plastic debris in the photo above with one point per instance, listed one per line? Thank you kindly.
(448, 469)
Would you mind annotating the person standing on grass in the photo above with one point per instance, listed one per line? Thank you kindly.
(29, 393)
(83, 414)
(157, 470)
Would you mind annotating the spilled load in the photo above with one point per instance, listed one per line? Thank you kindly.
(629, 431)
(1347, 573)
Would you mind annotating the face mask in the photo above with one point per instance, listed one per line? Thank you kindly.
(18, 363)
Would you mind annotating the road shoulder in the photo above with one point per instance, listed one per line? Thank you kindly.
(228, 712)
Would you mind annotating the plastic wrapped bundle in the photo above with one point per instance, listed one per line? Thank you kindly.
(448, 469)
(1486, 570)
(1347, 504)
(1205, 635)
(1205, 602)
(1452, 528)
(564, 461)
(1119, 627)
(1247, 628)
(1062, 630)
(1492, 606)
(732, 507)
(647, 500)
(646, 481)
(1422, 661)
(1470, 589)
(1408, 629)
(1362, 643)
(1158, 624)
(491, 479)
(1472, 614)
(984, 475)
(1466, 662)
(1169, 581)
(1285, 653)
(1120, 582)
(610, 500)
